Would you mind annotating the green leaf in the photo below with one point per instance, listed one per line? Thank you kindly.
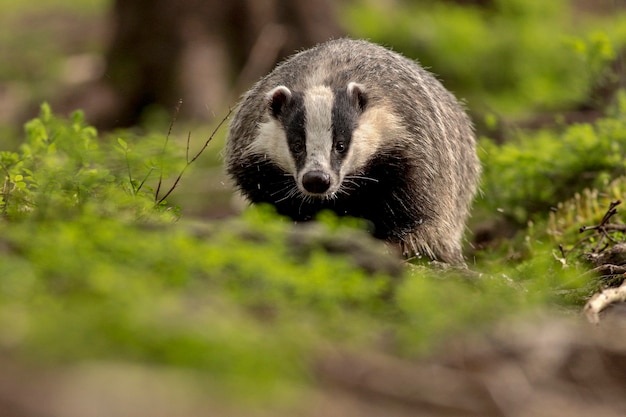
(122, 144)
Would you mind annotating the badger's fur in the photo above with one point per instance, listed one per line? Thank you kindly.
(358, 129)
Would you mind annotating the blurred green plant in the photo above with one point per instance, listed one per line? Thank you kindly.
(61, 170)
(533, 172)
(510, 57)
(596, 52)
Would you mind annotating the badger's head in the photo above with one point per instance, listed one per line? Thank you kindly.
(317, 136)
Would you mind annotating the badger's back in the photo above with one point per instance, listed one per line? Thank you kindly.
(410, 167)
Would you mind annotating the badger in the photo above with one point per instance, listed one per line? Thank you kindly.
(353, 127)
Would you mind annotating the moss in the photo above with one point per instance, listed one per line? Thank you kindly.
(526, 177)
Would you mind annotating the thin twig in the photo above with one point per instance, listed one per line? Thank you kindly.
(180, 174)
(196, 156)
(614, 227)
(602, 228)
(605, 219)
(605, 226)
(145, 178)
(187, 149)
(566, 252)
(167, 139)
(219, 125)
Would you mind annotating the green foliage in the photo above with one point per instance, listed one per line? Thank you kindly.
(529, 175)
(548, 184)
(588, 229)
(61, 170)
(509, 57)
(596, 52)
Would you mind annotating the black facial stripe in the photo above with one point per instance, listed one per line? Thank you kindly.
(390, 202)
(344, 120)
(293, 119)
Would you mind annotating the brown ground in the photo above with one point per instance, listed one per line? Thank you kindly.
(542, 366)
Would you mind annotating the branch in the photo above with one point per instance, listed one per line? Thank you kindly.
(192, 160)
(605, 219)
(614, 227)
(607, 269)
(602, 300)
(167, 139)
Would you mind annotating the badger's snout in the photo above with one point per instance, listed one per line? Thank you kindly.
(316, 182)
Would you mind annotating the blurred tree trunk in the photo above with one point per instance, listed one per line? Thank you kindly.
(204, 52)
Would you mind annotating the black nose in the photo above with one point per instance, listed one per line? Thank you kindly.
(316, 182)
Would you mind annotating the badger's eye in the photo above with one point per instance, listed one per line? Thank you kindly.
(297, 147)
(340, 146)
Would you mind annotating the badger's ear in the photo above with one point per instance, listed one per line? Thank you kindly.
(277, 98)
(357, 95)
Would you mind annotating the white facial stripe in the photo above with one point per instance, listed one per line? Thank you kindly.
(374, 124)
(318, 104)
(272, 140)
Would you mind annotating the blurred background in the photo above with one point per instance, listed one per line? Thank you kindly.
(121, 60)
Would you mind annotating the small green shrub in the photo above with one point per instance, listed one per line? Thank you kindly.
(527, 176)
(61, 169)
